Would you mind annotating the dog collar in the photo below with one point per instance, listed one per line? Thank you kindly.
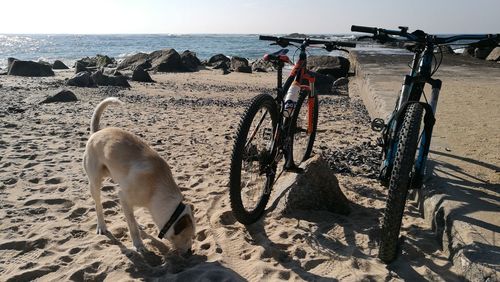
(180, 208)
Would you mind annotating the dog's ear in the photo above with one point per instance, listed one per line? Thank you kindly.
(182, 224)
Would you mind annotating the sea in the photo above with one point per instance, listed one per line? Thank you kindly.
(71, 47)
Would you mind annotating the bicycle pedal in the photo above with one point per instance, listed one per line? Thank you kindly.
(378, 124)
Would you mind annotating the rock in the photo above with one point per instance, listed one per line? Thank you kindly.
(87, 62)
(341, 86)
(167, 60)
(262, 66)
(316, 188)
(483, 52)
(468, 51)
(104, 61)
(239, 64)
(81, 67)
(297, 35)
(222, 65)
(29, 68)
(103, 80)
(141, 75)
(58, 65)
(62, 96)
(9, 62)
(333, 65)
(131, 62)
(341, 82)
(323, 84)
(81, 79)
(189, 61)
(217, 59)
(494, 55)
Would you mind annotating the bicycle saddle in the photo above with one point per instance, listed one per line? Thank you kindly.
(278, 56)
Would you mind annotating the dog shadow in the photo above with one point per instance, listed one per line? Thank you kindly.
(158, 259)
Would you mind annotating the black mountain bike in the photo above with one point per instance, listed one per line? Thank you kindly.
(405, 144)
(272, 128)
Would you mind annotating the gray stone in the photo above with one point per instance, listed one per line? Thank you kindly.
(141, 75)
(131, 62)
(215, 59)
(29, 68)
(81, 79)
(61, 96)
(316, 188)
(58, 65)
(262, 66)
(494, 55)
(189, 61)
(483, 52)
(167, 60)
(239, 64)
(103, 80)
(335, 66)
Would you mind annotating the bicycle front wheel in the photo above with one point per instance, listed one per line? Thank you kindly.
(304, 125)
(252, 175)
(400, 182)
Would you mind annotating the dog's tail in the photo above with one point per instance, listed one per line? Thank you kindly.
(96, 116)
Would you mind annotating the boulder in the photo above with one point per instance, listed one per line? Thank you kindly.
(221, 65)
(239, 64)
(217, 59)
(131, 62)
(103, 80)
(9, 62)
(141, 75)
(166, 60)
(341, 86)
(483, 52)
(80, 67)
(29, 68)
(262, 66)
(323, 84)
(81, 79)
(104, 61)
(58, 65)
(494, 55)
(87, 62)
(335, 66)
(189, 61)
(316, 189)
(61, 96)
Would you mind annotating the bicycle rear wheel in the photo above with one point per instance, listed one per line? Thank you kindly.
(304, 124)
(252, 172)
(400, 182)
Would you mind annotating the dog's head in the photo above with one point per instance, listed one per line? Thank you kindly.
(182, 232)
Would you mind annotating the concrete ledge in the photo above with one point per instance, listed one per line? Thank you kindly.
(459, 203)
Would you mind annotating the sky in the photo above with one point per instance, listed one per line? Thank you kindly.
(245, 17)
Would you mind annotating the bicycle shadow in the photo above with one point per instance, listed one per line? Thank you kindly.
(464, 196)
(338, 237)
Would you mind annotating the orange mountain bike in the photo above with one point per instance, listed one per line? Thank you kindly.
(273, 128)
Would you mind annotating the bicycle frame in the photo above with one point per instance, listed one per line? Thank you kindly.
(411, 92)
(282, 136)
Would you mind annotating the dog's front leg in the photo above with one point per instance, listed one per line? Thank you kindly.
(132, 224)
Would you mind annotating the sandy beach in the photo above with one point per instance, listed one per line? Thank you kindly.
(48, 219)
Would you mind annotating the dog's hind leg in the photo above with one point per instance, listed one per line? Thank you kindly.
(95, 181)
(128, 210)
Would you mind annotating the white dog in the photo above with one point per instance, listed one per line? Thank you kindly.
(145, 180)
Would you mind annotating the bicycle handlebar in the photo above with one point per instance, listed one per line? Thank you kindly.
(420, 36)
(307, 41)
